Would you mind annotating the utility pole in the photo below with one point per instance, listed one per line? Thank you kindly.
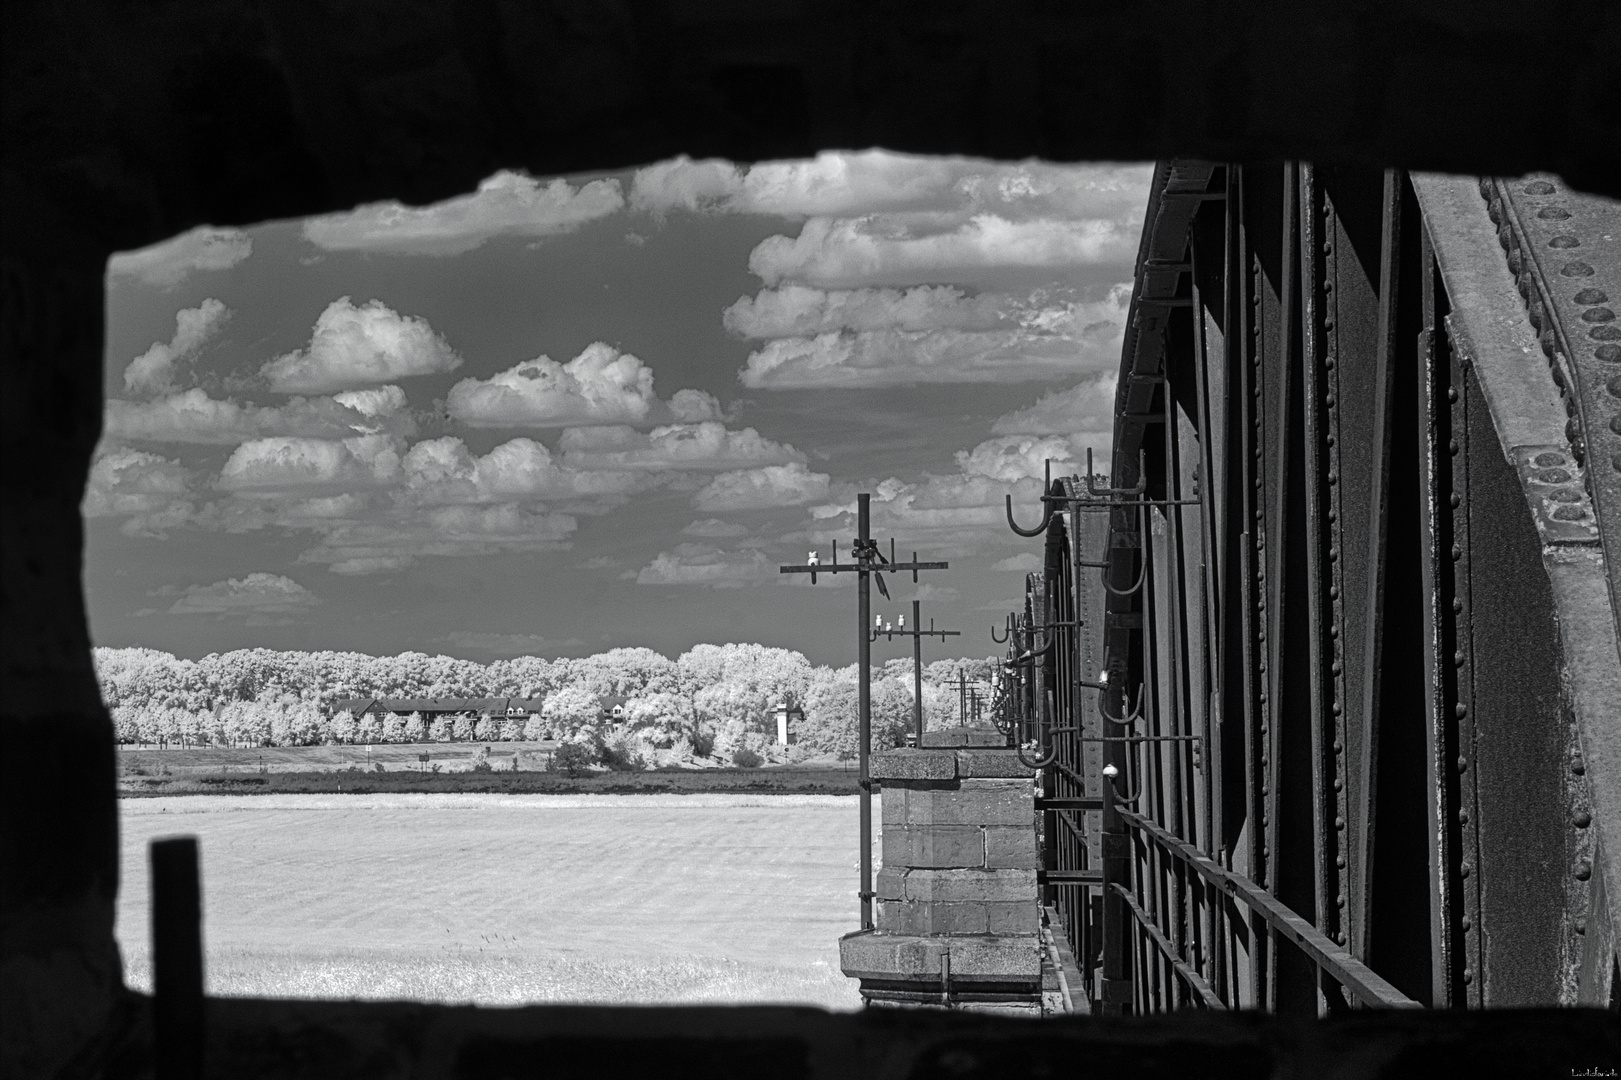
(917, 634)
(869, 563)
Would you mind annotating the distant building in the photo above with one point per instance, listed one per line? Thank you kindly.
(611, 709)
(431, 708)
(788, 718)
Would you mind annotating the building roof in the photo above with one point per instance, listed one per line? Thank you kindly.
(500, 705)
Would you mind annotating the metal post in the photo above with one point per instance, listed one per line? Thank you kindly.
(917, 671)
(864, 698)
(177, 960)
(1116, 989)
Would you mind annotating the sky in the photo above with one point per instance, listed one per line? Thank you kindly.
(560, 415)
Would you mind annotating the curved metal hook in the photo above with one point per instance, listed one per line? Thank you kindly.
(1142, 576)
(1136, 714)
(1050, 756)
(1142, 572)
(1007, 634)
(1119, 798)
(1142, 478)
(1046, 504)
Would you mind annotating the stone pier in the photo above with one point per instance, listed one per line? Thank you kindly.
(958, 909)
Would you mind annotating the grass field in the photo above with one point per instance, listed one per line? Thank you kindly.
(506, 899)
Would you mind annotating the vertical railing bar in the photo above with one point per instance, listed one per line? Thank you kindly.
(177, 959)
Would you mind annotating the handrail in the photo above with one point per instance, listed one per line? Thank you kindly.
(1359, 979)
(1180, 966)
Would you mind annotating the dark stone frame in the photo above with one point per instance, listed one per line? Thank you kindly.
(124, 125)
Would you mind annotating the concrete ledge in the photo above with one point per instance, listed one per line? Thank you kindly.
(906, 763)
(869, 954)
(964, 736)
(990, 762)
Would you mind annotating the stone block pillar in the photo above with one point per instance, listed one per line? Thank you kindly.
(959, 915)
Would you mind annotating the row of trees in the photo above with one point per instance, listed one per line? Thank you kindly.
(713, 699)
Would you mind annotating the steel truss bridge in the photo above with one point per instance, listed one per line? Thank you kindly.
(1322, 678)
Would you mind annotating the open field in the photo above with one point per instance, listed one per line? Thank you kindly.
(351, 769)
(505, 899)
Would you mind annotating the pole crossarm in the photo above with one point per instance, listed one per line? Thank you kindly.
(849, 567)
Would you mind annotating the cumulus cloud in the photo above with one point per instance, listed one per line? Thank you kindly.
(1049, 334)
(256, 594)
(153, 371)
(679, 446)
(171, 262)
(864, 182)
(360, 346)
(1024, 562)
(443, 471)
(801, 311)
(506, 204)
(1085, 407)
(762, 488)
(149, 490)
(705, 564)
(714, 529)
(290, 464)
(194, 417)
(845, 252)
(600, 386)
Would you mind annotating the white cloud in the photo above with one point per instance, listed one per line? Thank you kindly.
(290, 464)
(376, 402)
(864, 182)
(681, 446)
(694, 406)
(194, 417)
(1024, 562)
(762, 488)
(506, 204)
(151, 491)
(801, 311)
(167, 264)
(600, 386)
(1044, 336)
(153, 371)
(258, 593)
(360, 346)
(1018, 457)
(714, 529)
(705, 564)
(444, 472)
(1086, 407)
(888, 250)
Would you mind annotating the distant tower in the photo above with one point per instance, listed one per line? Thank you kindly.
(788, 716)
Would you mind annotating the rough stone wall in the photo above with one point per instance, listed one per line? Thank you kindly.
(126, 124)
(957, 897)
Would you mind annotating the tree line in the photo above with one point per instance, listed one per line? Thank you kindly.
(712, 700)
